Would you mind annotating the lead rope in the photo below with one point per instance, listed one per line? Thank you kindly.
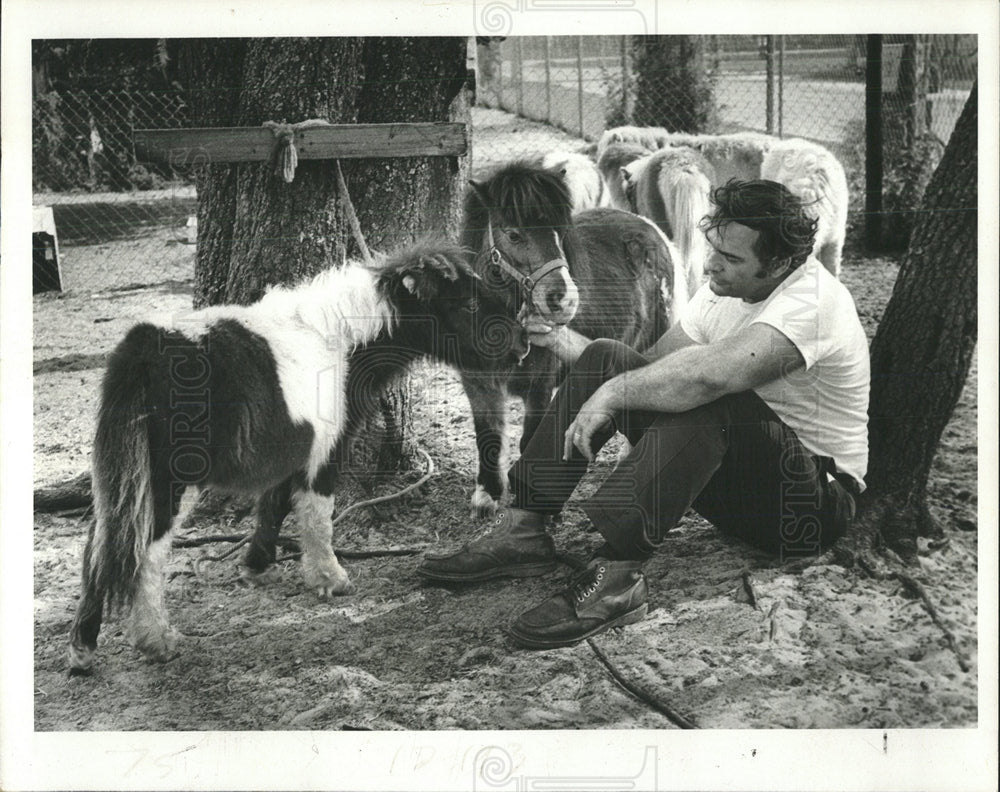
(284, 160)
(352, 217)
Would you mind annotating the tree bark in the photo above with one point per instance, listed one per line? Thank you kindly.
(673, 88)
(255, 230)
(911, 153)
(922, 351)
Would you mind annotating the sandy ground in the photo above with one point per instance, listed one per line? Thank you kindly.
(823, 647)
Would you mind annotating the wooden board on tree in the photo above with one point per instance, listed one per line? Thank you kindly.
(336, 141)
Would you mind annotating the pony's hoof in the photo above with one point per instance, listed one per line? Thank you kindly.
(332, 588)
(327, 578)
(338, 589)
(160, 648)
(483, 504)
(265, 577)
(81, 661)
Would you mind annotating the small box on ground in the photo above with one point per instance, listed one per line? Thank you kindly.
(45, 272)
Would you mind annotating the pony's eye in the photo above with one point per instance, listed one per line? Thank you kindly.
(515, 237)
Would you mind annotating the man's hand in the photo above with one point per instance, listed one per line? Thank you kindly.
(564, 342)
(542, 333)
(596, 413)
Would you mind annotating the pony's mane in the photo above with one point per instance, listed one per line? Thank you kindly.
(451, 260)
(524, 195)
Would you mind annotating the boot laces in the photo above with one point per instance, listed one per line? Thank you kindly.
(585, 585)
(492, 526)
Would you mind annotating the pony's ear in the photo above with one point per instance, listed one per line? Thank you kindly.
(423, 278)
(420, 283)
(480, 190)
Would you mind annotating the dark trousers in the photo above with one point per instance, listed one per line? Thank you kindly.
(733, 460)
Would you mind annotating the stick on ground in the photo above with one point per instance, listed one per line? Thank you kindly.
(917, 589)
(664, 709)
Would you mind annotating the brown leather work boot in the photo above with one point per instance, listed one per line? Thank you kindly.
(508, 548)
(607, 594)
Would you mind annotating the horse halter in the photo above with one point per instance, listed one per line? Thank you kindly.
(526, 282)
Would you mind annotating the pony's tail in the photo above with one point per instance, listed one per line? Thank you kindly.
(122, 482)
(673, 281)
(685, 192)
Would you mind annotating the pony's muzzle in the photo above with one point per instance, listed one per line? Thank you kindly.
(556, 297)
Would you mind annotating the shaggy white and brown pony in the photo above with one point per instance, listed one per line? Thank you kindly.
(671, 187)
(808, 169)
(260, 398)
(586, 187)
(613, 158)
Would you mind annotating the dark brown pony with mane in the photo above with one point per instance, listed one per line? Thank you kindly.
(605, 272)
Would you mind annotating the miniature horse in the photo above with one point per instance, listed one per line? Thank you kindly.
(260, 398)
(806, 168)
(602, 271)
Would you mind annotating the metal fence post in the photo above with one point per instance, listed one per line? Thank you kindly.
(579, 81)
(548, 80)
(520, 76)
(769, 56)
(501, 50)
(873, 142)
(626, 79)
(781, 86)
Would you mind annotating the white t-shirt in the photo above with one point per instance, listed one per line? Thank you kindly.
(826, 404)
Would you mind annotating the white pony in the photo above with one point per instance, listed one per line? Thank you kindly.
(807, 169)
(813, 174)
(586, 187)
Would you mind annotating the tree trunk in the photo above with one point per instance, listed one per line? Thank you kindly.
(911, 153)
(673, 88)
(255, 230)
(922, 351)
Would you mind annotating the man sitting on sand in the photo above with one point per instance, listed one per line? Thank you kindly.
(753, 410)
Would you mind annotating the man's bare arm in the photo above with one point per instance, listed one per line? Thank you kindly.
(697, 374)
(675, 338)
(687, 378)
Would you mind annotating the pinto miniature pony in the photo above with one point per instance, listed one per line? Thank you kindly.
(809, 170)
(602, 271)
(258, 399)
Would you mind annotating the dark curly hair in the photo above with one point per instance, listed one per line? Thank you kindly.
(785, 231)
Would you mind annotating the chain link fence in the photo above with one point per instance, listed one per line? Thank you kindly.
(85, 167)
(809, 86)
(789, 86)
